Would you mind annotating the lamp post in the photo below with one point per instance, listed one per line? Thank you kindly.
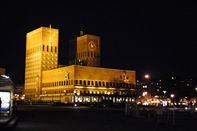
(164, 92)
(173, 112)
(172, 98)
(147, 86)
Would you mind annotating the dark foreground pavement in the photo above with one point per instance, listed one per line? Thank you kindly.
(53, 118)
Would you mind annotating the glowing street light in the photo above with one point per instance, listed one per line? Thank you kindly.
(144, 93)
(172, 95)
(146, 76)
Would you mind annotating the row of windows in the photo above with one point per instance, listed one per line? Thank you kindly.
(49, 48)
(32, 67)
(102, 83)
(34, 71)
(32, 62)
(49, 62)
(33, 50)
(35, 56)
(87, 54)
(88, 83)
(48, 67)
(31, 76)
(49, 54)
(84, 92)
(57, 91)
(59, 83)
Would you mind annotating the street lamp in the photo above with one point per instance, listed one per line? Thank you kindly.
(164, 92)
(146, 76)
(172, 95)
(173, 112)
(172, 98)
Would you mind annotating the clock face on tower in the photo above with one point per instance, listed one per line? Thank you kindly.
(92, 45)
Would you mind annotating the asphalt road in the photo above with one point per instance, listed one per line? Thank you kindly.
(61, 118)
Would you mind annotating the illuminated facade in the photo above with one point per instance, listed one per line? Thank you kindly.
(85, 84)
(85, 50)
(75, 83)
(41, 55)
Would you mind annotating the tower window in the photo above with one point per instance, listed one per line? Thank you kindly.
(80, 82)
(96, 84)
(99, 83)
(43, 48)
(76, 82)
(47, 48)
(55, 49)
(103, 83)
(107, 84)
(110, 83)
(51, 48)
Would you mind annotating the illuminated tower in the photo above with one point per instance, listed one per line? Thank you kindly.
(85, 50)
(41, 54)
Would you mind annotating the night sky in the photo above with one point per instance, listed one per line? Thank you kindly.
(156, 37)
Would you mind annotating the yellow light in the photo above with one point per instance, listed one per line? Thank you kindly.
(79, 87)
(102, 88)
(90, 87)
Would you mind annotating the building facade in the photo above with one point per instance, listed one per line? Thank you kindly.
(83, 81)
(85, 50)
(85, 84)
(41, 55)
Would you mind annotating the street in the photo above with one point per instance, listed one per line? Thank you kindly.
(62, 118)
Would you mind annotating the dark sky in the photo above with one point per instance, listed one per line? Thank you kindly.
(158, 37)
